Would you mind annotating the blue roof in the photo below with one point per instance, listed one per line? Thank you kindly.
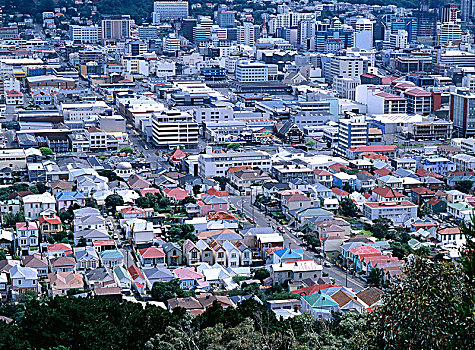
(69, 196)
(111, 254)
(287, 253)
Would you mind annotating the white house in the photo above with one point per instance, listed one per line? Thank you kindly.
(27, 236)
(34, 204)
(233, 254)
(397, 212)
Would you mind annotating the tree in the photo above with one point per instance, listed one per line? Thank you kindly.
(464, 186)
(424, 309)
(374, 277)
(111, 176)
(126, 150)
(467, 252)
(261, 274)
(10, 219)
(114, 200)
(196, 189)
(3, 254)
(380, 227)
(162, 291)
(46, 151)
(234, 146)
(348, 207)
(310, 143)
(347, 187)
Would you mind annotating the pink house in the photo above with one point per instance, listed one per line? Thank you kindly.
(212, 204)
(132, 212)
(191, 278)
(176, 194)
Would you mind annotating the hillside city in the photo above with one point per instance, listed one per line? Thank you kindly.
(214, 171)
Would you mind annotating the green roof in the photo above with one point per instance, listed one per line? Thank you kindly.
(317, 300)
(121, 273)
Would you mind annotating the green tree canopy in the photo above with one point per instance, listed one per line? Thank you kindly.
(46, 151)
(127, 150)
(234, 146)
(114, 200)
(464, 186)
(348, 207)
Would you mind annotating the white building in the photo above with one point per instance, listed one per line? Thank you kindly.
(352, 132)
(171, 43)
(251, 71)
(218, 112)
(34, 204)
(450, 33)
(216, 164)
(397, 212)
(246, 34)
(169, 10)
(173, 127)
(12, 158)
(85, 34)
(398, 40)
(363, 34)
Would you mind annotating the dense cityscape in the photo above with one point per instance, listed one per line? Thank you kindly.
(188, 175)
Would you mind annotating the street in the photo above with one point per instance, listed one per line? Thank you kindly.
(243, 203)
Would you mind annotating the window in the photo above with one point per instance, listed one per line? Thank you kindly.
(220, 255)
(194, 255)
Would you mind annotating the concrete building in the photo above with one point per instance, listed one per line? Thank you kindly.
(173, 127)
(115, 27)
(85, 34)
(352, 132)
(462, 112)
(251, 72)
(169, 10)
(216, 164)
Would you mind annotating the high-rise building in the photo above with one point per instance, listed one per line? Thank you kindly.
(462, 112)
(226, 19)
(172, 10)
(352, 132)
(173, 127)
(426, 23)
(251, 71)
(245, 34)
(399, 40)
(449, 13)
(409, 24)
(115, 27)
(467, 10)
(171, 43)
(364, 34)
(307, 31)
(137, 47)
(450, 33)
(187, 28)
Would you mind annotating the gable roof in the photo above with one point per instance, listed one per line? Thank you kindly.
(151, 253)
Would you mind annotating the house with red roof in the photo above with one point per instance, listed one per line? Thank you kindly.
(132, 212)
(49, 224)
(212, 204)
(357, 152)
(339, 194)
(152, 256)
(138, 279)
(419, 101)
(191, 278)
(151, 190)
(176, 194)
(386, 194)
(14, 97)
(382, 172)
(214, 192)
(177, 156)
(313, 289)
(356, 255)
(58, 249)
(421, 195)
(323, 177)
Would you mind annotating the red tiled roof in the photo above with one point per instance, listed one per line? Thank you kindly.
(382, 148)
(387, 192)
(177, 193)
(57, 247)
(132, 210)
(135, 272)
(313, 289)
(422, 191)
(338, 166)
(23, 226)
(376, 205)
(339, 192)
(177, 153)
(152, 252)
(321, 172)
(14, 93)
(382, 172)
(417, 92)
(214, 192)
(390, 97)
(50, 219)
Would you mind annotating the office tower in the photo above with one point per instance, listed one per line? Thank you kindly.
(426, 23)
(187, 28)
(84, 34)
(449, 13)
(467, 10)
(462, 112)
(245, 34)
(399, 40)
(364, 34)
(169, 10)
(115, 27)
(171, 43)
(409, 24)
(226, 19)
(352, 132)
(307, 30)
(450, 33)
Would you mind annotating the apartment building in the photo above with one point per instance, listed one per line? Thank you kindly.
(169, 10)
(12, 158)
(352, 132)
(397, 212)
(251, 71)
